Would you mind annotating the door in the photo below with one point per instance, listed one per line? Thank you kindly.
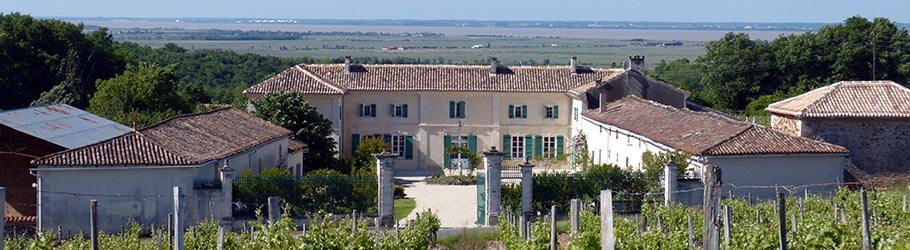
(459, 162)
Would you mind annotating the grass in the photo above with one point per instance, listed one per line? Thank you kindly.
(469, 240)
(403, 208)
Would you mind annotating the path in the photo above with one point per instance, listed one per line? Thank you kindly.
(456, 206)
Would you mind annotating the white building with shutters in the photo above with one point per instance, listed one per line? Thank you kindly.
(525, 111)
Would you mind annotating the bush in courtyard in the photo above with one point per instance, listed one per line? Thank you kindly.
(319, 191)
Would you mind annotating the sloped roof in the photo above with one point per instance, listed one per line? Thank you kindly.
(703, 133)
(294, 145)
(181, 140)
(331, 79)
(62, 125)
(867, 99)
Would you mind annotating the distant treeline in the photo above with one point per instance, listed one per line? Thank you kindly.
(239, 35)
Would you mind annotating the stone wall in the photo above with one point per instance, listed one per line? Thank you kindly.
(786, 124)
(877, 147)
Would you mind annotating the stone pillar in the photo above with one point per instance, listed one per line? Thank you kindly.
(385, 171)
(227, 192)
(670, 171)
(574, 207)
(527, 188)
(492, 163)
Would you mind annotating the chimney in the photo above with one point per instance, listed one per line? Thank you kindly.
(573, 65)
(494, 65)
(637, 63)
(347, 64)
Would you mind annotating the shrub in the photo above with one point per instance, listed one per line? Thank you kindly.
(399, 192)
(438, 179)
(319, 191)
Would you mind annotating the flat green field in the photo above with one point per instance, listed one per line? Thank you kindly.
(456, 49)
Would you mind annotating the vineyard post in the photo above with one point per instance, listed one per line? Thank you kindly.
(574, 206)
(727, 229)
(159, 240)
(377, 223)
(782, 220)
(606, 220)
(553, 234)
(691, 237)
(354, 221)
(274, 209)
(867, 236)
(220, 238)
(170, 224)
(93, 218)
(904, 207)
(711, 205)
(757, 216)
(2, 212)
(522, 226)
(793, 226)
(178, 227)
(670, 171)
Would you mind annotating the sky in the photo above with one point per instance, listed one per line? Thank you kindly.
(821, 11)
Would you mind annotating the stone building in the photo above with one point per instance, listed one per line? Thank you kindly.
(869, 118)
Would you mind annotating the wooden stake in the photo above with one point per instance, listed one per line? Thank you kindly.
(691, 237)
(606, 220)
(711, 205)
(94, 223)
(727, 229)
(178, 227)
(782, 220)
(220, 238)
(867, 235)
(553, 235)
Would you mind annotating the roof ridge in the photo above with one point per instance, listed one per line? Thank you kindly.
(456, 66)
(319, 79)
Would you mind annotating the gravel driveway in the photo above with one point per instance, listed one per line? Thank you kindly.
(456, 206)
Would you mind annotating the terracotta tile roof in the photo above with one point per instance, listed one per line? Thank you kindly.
(19, 219)
(879, 99)
(331, 79)
(181, 140)
(702, 133)
(762, 140)
(294, 145)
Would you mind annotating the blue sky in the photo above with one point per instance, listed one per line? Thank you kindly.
(608, 10)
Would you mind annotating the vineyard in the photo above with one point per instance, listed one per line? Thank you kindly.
(813, 222)
(325, 232)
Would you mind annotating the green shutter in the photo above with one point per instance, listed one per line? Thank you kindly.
(461, 109)
(524, 111)
(373, 110)
(404, 110)
(538, 146)
(507, 146)
(392, 110)
(511, 111)
(360, 110)
(409, 147)
(355, 142)
(451, 109)
(555, 112)
(529, 150)
(387, 138)
(472, 143)
(559, 145)
(446, 143)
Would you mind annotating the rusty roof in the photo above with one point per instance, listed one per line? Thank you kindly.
(331, 79)
(294, 145)
(62, 125)
(702, 133)
(866, 99)
(181, 140)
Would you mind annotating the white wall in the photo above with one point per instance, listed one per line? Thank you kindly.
(783, 170)
(611, 145)
(270, 154)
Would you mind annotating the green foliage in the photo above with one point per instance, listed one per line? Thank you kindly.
(736, 70)
(319, 191)
(37, 54)
(653, 164)
(364, 161)
(474, 159)
(438, 179)
(757, 107)
(142, 95)
(560, 188)
(399, 192)
(509, 236)
(291, 111)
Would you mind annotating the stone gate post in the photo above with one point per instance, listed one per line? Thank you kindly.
(670, 183)
(527, 188)
(493, 165)
(227, 192)
(385, 171)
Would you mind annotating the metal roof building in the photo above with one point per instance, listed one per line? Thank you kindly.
(62, 125)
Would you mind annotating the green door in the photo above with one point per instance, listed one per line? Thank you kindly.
(481, 198)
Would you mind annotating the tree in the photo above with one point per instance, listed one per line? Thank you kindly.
(141, 95)
(736, 70)
(364, 161)
(291, 111)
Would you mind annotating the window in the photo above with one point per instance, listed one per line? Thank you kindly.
(457, 109)
(399, 110)
(551, 112)
(398, 145)
(518, 111)
(459, 141)
(518, 147)
(367, 110)
(549, 146)
(575, 114)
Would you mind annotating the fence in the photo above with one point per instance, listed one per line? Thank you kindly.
(337, 194)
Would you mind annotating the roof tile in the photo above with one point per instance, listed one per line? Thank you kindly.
(879, 99)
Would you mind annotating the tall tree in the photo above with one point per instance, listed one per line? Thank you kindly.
(291, 111)
(737, 70)
(142, 95)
